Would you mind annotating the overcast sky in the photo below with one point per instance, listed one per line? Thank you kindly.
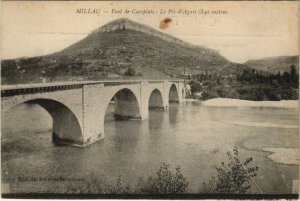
(249, 30)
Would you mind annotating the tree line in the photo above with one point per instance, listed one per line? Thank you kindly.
(248, 84)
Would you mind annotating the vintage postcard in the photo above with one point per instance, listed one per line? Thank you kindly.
(149, 99)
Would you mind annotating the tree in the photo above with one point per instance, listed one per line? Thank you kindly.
(233, 177)
(195, 86)
(130, 72)
(294, 76)
(286, 77)
(293, 71)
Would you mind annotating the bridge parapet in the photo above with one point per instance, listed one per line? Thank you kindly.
(120, 83)
(156, 81)
(17, 86)
(32, 90)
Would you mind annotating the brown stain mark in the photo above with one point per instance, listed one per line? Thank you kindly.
(165, 23)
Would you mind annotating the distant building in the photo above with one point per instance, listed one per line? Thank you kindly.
(76, 79)
(44, 80)
(198, 94)
(112, 75)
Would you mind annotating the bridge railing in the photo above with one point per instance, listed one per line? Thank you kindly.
(106, 82)
(10, 90)
(18, 91)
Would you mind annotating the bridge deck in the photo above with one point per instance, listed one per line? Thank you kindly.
(79, 83)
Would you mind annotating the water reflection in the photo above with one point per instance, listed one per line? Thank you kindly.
(173, 114)
(156, 119)
(126, 136)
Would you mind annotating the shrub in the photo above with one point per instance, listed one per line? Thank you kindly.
(273, 94)
(95, 185)
(92, 184)
(195, 86)
(209, 95)
(233, 177)
(166, 182)
(130, 72)
(118, 188)
(227, 92)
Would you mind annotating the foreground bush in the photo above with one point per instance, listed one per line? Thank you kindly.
(166, 181)
(233, 177)
(118, 188)
(163, 182)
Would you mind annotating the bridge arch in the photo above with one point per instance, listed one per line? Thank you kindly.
(126, 105)
(66, 128)
(173, 94)
(156, 100)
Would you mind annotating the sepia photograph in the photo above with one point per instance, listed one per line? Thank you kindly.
(150, 99)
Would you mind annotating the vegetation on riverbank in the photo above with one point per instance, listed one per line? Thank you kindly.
(249, 85)
(165, 181)
(233, 177)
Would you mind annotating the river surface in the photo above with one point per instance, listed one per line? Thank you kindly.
(191, 135)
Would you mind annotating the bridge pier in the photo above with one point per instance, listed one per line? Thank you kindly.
(93, 113)
(96, 100)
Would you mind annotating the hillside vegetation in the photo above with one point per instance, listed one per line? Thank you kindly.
(274, 64)
(109, 51)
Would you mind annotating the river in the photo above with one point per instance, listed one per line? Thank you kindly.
(192, 135)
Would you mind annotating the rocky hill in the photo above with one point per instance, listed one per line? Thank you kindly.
(110, 50)
(274, 64)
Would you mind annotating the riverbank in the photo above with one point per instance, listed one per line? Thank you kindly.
(226, 102)
(287, 156)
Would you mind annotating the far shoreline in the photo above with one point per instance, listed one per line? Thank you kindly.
(227, 102)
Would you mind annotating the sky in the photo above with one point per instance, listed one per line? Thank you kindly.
(241, 31)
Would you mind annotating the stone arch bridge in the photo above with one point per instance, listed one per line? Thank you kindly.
(78, 108)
